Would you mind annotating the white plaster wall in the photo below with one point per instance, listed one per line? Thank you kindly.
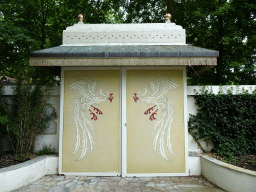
(194, 165)
(20, 175)
(124, 34)
(194, 151)
(215, 89)
(44, 139)
(192, 109)
(194, 159)
(228, 177)
(51, 140)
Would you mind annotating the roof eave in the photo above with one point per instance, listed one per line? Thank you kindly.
(122, 61)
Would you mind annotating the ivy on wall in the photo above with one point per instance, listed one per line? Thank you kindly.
(226, 121)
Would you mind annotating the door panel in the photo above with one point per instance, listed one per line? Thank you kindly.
(155, 121)
(91, 121)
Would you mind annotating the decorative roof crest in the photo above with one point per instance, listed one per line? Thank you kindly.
(82, 34)
(168, 17)
(80, 17)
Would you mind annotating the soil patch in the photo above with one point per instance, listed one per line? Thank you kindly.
(7, 160)
(244, 161)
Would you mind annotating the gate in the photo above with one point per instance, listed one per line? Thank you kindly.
(123, 121)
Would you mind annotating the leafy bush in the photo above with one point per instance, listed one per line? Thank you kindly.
(3, 114)
(227, 121)
(28, 116)
(46, 150)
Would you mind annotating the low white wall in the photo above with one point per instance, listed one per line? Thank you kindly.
(51, 139)
(47, 139)
(228, 177)
(20, 175)
(216, 88)
(194, 152)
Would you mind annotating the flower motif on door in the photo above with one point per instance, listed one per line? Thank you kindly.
(159, 88)
(90, 97)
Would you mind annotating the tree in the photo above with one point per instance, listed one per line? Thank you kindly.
(170, 4)
(28, 25)
(28, 116)
(138, 11)
(3, 116)
(225, 26)
(14, 47)
(22, 30)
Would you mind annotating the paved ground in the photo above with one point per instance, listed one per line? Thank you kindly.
(57, 183)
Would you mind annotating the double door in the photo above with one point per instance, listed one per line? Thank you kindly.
(123, 121)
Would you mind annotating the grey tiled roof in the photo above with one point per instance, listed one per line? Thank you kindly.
(124, 51)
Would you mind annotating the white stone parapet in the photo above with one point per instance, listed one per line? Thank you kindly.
(20, 175)
(124, 34)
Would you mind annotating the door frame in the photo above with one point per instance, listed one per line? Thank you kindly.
(123, 129)
(63, 69)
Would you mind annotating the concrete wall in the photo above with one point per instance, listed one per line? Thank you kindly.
(22, 174)
(51, 135)
(194, 151)
(228, 177)
(50, 138)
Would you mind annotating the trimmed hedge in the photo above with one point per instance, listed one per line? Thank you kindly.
(226, 121)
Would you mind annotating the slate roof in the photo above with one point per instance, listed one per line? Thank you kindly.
(119, 51)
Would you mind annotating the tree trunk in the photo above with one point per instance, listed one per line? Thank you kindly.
(170, 8)
(43, 36)
(220, 64)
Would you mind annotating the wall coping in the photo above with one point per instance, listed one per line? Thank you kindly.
(20, 175)
(228, 177)
(124, 34)
(229, 166)
(236, 89)
(8, 89)
(25, 164)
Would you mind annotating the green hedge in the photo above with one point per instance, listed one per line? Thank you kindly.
(226, 121)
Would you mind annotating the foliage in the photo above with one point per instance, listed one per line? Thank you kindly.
(227, 121)
(14, 47)
(225, 26)
(3, 114)
(143, 11)
(29, 25)
(220, 25)
(28, 116)
(46, 150)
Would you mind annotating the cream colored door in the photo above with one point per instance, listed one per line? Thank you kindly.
(155, 121)
(91, 122)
